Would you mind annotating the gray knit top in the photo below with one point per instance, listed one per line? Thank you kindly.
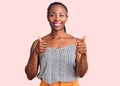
(58, 64)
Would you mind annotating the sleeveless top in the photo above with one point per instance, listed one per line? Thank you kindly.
(58, 64)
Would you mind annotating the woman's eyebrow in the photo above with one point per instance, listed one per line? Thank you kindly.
(52, 12)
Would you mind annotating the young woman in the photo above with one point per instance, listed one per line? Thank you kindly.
(61, 56)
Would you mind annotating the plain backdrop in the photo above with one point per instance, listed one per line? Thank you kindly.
(22, 21)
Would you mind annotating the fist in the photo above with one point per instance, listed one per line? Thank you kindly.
(81, 46)
(41, 46)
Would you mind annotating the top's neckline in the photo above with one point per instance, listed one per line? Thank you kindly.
(62, 47)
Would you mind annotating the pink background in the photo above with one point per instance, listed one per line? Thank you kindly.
(21, 21)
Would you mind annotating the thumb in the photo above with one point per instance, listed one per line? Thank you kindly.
(39, 39)
(83, 39)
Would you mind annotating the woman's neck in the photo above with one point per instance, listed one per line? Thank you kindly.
(58, 34)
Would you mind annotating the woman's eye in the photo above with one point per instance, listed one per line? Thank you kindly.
(51, 15)
(61, 15)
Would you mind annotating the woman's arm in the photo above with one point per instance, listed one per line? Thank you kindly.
(31, 68)
(82, 65)
(81, 58)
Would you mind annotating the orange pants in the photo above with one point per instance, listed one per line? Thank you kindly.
(74, 83)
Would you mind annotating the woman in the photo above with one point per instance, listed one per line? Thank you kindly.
(62, 57)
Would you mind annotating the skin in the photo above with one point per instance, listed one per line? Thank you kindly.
(57, 39)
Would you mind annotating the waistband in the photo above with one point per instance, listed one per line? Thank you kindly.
(73, 83)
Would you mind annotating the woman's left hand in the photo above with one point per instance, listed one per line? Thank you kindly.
(81, 46)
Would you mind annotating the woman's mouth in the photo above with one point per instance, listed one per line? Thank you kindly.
(56, 24)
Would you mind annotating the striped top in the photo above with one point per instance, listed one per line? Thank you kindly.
(58, 64)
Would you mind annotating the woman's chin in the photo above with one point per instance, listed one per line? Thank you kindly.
(57, 28)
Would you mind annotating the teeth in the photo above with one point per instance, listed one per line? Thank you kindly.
(57, 24)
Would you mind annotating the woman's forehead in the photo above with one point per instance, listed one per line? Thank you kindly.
(57, 7)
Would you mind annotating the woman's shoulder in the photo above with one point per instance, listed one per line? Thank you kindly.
(76, 39)
(46, 37)
(73, 37)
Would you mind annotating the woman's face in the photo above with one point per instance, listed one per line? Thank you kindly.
(57, 16)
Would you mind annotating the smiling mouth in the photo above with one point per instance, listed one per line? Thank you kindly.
(56, 24)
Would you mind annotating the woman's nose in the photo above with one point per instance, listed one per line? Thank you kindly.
(57, 18)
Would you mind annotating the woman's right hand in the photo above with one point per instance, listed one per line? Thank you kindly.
(41, 46)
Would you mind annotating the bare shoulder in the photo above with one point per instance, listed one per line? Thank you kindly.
(76, 39)
(46, 37)
(70, 36)
(73, 37)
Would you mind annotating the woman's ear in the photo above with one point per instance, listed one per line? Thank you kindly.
(67, 15)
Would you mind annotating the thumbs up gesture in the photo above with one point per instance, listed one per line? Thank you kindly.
(41, 46)
(81, 46)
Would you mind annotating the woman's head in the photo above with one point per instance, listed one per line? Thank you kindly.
(57, 14)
